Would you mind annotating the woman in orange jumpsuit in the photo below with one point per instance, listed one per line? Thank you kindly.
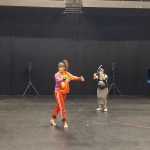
(62, 78)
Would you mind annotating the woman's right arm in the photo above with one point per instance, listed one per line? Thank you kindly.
(95, 76)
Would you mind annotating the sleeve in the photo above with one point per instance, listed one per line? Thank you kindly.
(58, 78)
(96, 77)
(106, 77)
(72, 77)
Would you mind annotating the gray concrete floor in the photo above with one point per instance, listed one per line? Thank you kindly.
(24, 124)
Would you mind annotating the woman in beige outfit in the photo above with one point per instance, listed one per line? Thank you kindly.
(102, 90)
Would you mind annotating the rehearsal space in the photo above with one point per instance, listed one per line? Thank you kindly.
(24, 123)
(36, 36)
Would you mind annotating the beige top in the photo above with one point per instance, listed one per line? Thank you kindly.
(101, 82)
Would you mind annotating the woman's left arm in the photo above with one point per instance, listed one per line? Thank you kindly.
(72, 77)
(104, 77)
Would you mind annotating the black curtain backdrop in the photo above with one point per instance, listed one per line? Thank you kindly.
(86, 41)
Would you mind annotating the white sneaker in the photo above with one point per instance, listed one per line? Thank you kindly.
(99, 108)
(105, 109)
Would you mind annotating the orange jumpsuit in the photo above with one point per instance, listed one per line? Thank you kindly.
(61, 89)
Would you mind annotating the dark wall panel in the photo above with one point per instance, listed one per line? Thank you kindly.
(108, 41)
(45, 45)
(143, 88)
(91, 61)
(45, 57)
(5, 59)
(124, 54)
(85, 41)
(20, 57)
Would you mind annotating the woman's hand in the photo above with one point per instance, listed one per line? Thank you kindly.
(94, 74)
(103, 77)
(82, 78)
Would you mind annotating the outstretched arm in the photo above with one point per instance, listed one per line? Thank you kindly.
(72, 77)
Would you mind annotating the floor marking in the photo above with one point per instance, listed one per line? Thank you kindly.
(128, 124)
